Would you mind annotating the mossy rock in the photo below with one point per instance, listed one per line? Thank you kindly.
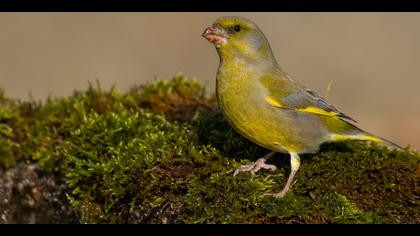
(162, 153)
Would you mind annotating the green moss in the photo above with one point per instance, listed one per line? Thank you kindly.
(162, 153)
(7, 144)
(347, 212)
(181, 98)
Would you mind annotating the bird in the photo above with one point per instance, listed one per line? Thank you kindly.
(266, 105)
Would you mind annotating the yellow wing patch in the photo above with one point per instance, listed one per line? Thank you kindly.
(313, 110)
(316, 110)
(273, 102)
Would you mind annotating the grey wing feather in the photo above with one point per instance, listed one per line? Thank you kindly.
(299, 97)
(305, 97)
(320, 102)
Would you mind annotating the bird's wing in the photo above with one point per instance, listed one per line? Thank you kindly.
(285, 93)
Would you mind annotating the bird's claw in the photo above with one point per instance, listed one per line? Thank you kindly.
(254, 167)
(280, 194)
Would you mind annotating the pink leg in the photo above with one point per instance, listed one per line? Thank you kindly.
(257, 165)
(295, 163)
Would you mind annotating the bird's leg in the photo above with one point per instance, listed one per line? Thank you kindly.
(295, 163)
(257, 165)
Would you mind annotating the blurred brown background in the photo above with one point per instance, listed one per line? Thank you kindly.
(373, 59)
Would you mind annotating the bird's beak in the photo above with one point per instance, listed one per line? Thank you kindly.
(215, 34)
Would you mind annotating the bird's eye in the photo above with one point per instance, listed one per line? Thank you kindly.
(237, 28)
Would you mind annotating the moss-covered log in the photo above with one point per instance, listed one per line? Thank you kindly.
(162, 153)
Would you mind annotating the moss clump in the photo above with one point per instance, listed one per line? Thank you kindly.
(8, 112)
(162, 153)
(6, 140)
(181, 98)
(129, 164)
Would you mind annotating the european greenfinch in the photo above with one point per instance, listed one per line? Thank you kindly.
(265, 105)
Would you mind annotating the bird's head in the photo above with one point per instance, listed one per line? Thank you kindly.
(237, 36)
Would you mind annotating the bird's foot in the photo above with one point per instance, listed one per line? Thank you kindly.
(295, 163)
(256, 166)
(277, 195)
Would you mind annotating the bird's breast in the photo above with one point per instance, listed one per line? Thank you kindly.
(241, 100)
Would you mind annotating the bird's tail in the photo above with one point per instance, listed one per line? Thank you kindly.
(371, 137)
(359, 134)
